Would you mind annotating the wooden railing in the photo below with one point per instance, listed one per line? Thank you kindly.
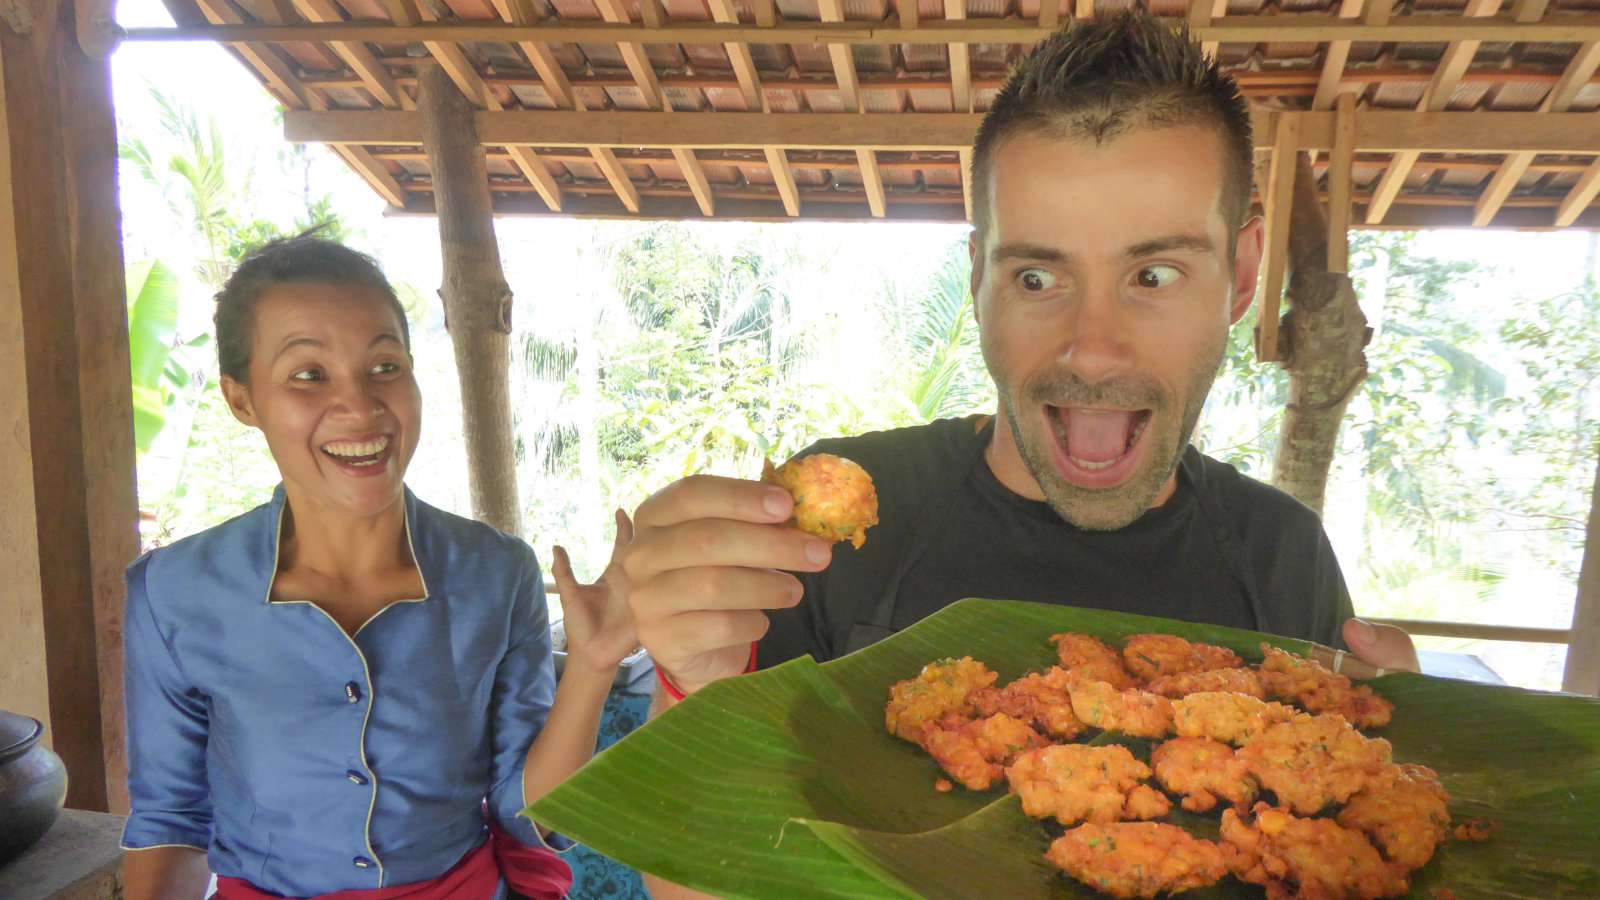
(1429, 627)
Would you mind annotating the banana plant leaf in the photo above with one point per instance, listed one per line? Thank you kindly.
(784, 783)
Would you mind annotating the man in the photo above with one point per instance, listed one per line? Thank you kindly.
(1112, 249)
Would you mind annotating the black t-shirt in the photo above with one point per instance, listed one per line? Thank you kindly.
(1224, 549)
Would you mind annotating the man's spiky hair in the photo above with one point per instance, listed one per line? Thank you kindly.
(1098, 80)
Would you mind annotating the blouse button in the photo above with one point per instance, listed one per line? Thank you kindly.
(361, 862)
(352, 692)
(355, 777)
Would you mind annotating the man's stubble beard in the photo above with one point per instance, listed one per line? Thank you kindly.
(1117, 507)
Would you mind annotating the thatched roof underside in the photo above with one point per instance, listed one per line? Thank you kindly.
(876, 125)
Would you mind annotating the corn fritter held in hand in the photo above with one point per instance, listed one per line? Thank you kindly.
(834, 498)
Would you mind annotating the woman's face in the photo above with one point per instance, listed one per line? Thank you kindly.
(332, 389)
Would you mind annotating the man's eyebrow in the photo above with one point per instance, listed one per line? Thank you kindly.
(1196, 243)
(386, 336)
(1027, 251)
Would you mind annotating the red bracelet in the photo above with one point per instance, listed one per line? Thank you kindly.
(672, 689)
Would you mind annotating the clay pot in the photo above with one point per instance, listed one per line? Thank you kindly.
(33, 785)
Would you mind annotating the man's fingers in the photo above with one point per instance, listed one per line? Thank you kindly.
(1384, 646)
(694, 634)
(714, 497)
(716, 588)
(720, 542)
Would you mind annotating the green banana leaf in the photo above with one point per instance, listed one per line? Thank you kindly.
(784, 783)
(152, 321)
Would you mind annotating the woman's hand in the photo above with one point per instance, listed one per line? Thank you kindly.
(599, 624)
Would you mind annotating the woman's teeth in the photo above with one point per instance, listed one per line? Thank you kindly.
(357, 453)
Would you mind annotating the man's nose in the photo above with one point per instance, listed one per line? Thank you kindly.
(1100, 346)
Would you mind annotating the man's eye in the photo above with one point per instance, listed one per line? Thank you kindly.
(1034, 280)
(1157, 276)
(307, 375)
(385, 368)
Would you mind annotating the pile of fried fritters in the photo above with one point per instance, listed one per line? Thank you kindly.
(1346, 821)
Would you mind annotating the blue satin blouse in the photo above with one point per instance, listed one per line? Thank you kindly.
(305, 760)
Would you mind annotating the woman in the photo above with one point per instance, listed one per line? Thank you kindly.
(346, 689)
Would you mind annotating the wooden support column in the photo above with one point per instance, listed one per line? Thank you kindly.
(68, 522)
(1321, 345)
(477, 300)
(1583, 650)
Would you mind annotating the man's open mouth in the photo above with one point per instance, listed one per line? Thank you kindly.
(1097, 447)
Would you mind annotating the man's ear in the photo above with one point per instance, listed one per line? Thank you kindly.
(1246, 266)
(238, 397)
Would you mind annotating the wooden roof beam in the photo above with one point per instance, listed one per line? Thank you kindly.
(1565, 28)
(356, 55)
(960, 62)
(1334, 58)
(283, 83)
(1049, 13)
(634, 56)
(551, 76)
(1201, 12)
(465, 75)
(1528, 10)
(844, 65)
(966, 180)
(1499, 188)
(1083, 9)
(783, 178)
(1376, 130)
(1279, 201)
(844, 69)
(644, 75)
(1452, 65)
(744, 66)
(1341, 183)
(402, 12)
(1579, 198)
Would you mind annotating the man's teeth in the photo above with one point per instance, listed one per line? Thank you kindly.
(357, 449)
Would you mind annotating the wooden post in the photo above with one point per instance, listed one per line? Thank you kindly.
(477, 300)
(1321, 345)
(69, 522)
(1583, 651)
(105, 393)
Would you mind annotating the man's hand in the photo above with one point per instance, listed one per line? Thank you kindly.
(1384, 646)
(703, 565)
(598, 622)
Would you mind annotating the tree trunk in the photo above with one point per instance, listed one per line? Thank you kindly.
(1583, 650)
(1322, 339)
(477, 300)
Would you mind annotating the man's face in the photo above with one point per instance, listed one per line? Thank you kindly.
(1104, 290)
